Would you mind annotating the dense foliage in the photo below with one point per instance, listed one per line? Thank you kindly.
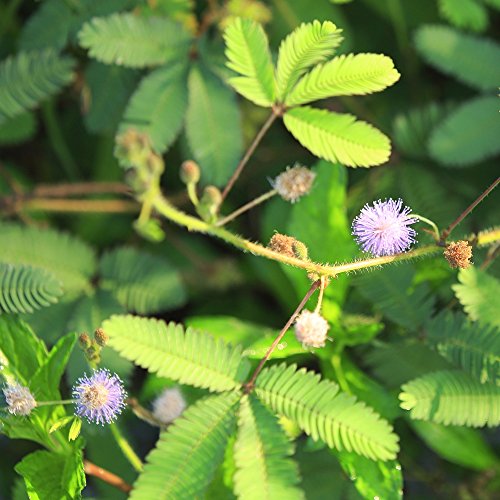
(142, 346)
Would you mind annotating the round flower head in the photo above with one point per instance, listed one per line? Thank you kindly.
(311, 329)
(99, 398)
(19, 399)
(294, 183)
(169, 405)
(383, 229)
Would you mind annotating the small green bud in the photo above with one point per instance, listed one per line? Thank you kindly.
(155, 164)
(209, 204)
(133, 148)
(190, 172)
(84, 341)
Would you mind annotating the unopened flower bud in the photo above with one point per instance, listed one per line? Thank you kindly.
(311, 329)
(294, 183)
(169, 405)
(209, 203)
(19, 399)
(287, 245)
(84, 341)
(133, 148)
(458, 254)
(190, 172)
(155, 163)
(100, 337)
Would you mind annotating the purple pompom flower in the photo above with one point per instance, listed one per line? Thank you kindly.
(383, 229)
(99, 398)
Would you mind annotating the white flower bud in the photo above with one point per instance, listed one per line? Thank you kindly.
(311, 329)
(19, 399)
(294, 183)
(169, 405)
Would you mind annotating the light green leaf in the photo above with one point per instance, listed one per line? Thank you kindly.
(190, 357)
(264, 470)
(70, 260)
(452, 398)
(141, 282)
(24, 288)
(458, 445)
(158, 106)
(28, 78)
(189, 452)
(133, 41)
(472, 60)
(373, 479)
(247, 51)
(454, 143)
(49, 475)
(338, 137)
(306, 46)
(479, 293)
(324, 413)
(60, 423)
(351, 74)
(213, 126)
(74, 430)
(466, 14)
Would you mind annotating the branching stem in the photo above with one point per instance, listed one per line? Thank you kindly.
(249, 152)
(468, 210)
(250, 384)
(248, 206)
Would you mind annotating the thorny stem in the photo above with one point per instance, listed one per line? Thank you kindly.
(249, 152)
(250, 384)
(106, 476)
(163, 207)
(430, 223)
(127, 450)
(468, 210)
(251, 204)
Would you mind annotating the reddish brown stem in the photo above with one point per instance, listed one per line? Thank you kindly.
(248, 154)
(78, 189)
(87, 206)
(250, 384)
(106, 476)
(468, 210)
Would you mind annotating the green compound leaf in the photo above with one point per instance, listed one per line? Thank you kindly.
(324, 413)
(70, 260)
(452, 398)
(465, 14)
(247, 51)
(264, 470)
(24, 288)
(188, 453)
(454, 143)
(338, 137)
(351, 74)
(213, 126)
(158, 106)
(141, 282)
(28, 78)
(136, 42)
(187, 356)
(471, 346)
(52, 475)
(308, 45)
(479, 293)
(474, 61)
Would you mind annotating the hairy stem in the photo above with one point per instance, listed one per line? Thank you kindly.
(127, 450)
(468, 210)
(106, 476)
(248, 206)
(250, 384)
(248, 154)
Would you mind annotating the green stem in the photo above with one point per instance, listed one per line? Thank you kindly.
(56, 138)
(339, 372)
(193, 195)
(437, 234)
(49, 403)
(191, 223)
(127, 450)
(251, 204)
